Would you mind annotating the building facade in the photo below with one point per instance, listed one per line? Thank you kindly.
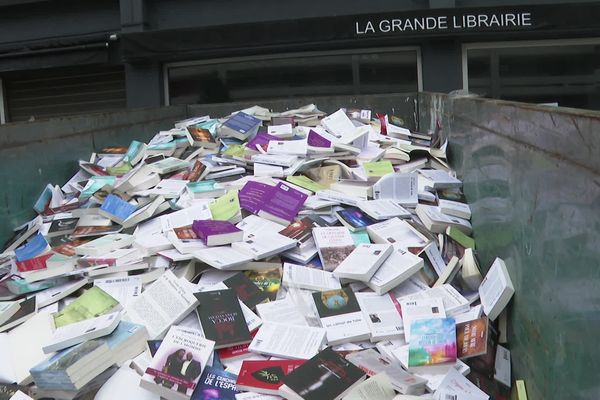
(65, 57)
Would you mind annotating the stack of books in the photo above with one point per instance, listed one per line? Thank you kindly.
(258, 255)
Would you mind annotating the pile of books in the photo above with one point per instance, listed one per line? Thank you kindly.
(259, 255)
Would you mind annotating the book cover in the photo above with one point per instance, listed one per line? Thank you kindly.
(33, 248)
(283, 203)
(221, 318)
(252, 195)
(35, 263)
(226, 207)
(334, 244)
(84, 231)
(27, 308)
(261, 139)
(246, 290)
(269, 280)
(196, 172)
(265, 376)
(117, 207)
(204, 229)
(175, 369)
(201, 136)
(432, 341)
(300, 230)
(242, 123)
(325, 376)
(341, 316)
(336, 302)
(62, 226)
(316, 140)
(215, 384)
(471, 338)
(92, 303)
(354, 218)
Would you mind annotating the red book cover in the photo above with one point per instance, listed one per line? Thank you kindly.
(34, 264)
(265, 376)
(233, 352)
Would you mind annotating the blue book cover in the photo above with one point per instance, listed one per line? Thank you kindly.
(118, 207)
(43, 200)
(36, 246)
(242, 122)
(124, 331)
(215, 384)
(134, 148)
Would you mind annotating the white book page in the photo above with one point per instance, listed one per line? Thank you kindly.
(377, 387)
(185, 217)
(304, 277)
(124, 290)
(381, 314)
(281, 310)
(288, 341)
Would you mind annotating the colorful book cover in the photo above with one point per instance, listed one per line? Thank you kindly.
(378, 168)
(207, 228)
(222, 318)
(94, 302)
(196, 172)
(360, 237)
(471, 338)
(225, 207)
(300, 230)
(118, 207)
(355, 218)
(83, 231)
(305, 182)
(265, 376)
(269, 280)
(33, 248)
(246, 290)
(242, 123)
(176, 367)
(201, 135)
(261, 139)
(325, 376)
(283, 202)
(202, 187)
(215, 384)
(34, 264)
(134, 150)
(331, 303)
(432, 341)
(252, 195)
(233, 352)
(316, 140)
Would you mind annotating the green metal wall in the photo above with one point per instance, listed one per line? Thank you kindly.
(531, 175)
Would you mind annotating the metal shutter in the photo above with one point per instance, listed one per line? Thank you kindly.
(64, 91)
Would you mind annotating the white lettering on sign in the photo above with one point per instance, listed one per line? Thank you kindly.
(444, 22)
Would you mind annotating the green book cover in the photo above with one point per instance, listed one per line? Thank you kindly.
(305, 182)
(379, 168)
(119, 169)
(465, 241)
(94, 302)
(235, 150)
(360, 237)
(226, 207)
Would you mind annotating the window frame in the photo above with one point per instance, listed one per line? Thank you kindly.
(360, 51)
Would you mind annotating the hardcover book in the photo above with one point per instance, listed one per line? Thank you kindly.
(221, 318)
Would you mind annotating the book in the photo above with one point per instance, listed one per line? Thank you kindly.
(282, 204)
(124, 289)
(432, 342)
(262, 244)
(299, 276)
(26, 309)
(420, 309)
(104, 244)
(401, 188)
(288, 341)
(175, 369)
(341, 316)
(94, 302)
(438, 179)
(265, 376)
(377, 387)
(215, 383)
(226, 207)
(354, 219)
(61, 227)
(7, 310)
(398, 233)
(116, 209)
(327, 375)
(381, 209)
(363, 262)
(79, 332)
(496, 289)
(202, 137)
(334, 245)
(397, 268)
(33, 248)
(453, 301)
(471, 338)
(281, 310)
(502, 371)
(223, 257)
(217, 233)
(221, 318)
(240, 126)
(301, 231)
(437, 222)
(162, 304)
(455, 208)
(456, 384)
(246, 290)
(382, 316)
(293, 147)
(267, 280)
(253, 193)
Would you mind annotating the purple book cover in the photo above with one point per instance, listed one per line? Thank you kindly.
(261, 139)
(284, 202)
(253, 194)
(316, 140)
(207, 227)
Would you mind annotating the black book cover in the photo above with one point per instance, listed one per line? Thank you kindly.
(327, 375)
(62, 226)
(246, 290)
(222, 319)
(27, 309)
(336, 302)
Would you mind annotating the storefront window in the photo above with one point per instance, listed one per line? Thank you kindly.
(567, 74)
(286, 76)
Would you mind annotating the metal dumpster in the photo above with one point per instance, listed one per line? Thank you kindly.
(531, 175)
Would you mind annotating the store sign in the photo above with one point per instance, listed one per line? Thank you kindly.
(459, 22)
